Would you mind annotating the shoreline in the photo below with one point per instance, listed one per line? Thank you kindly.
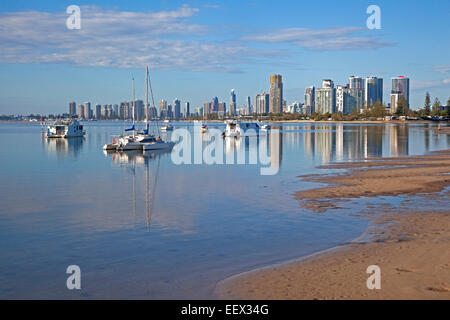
(411, 247)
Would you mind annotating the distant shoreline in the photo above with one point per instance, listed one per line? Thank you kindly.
(410, 247)
(274, 121)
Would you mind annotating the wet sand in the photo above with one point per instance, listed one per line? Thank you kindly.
(411, 248)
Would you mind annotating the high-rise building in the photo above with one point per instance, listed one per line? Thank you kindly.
(122, 107)
(276, 94)
(233, 103)
(310, 97)
(115, 111)
(215, 105)
(87, 110)
(327, 83)
(206, 108)
(356, 83)
(163, 109)
(72, 108)
(98, 111)
(349, 99)
(187, 111)
(177, 108)
(222, 109)
(249, 105)
(80, 111)
(373, 91)
(262, 103)
(400, 85)
(325, 98)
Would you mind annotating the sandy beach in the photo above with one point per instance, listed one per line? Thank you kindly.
(410, 247)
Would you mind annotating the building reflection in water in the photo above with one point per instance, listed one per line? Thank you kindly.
(339, 142)
(399, 142)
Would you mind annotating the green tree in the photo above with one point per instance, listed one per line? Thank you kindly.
(427, 104)
(436, 107)
(402, 107)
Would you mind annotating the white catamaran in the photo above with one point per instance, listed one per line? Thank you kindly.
(141, 140)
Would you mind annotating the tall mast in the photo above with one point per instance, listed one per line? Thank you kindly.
(146, 96)
(134, 102)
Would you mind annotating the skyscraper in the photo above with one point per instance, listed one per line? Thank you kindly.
(177, 108)
(187, 111)
(72, 108)
(325, 100)
(215, 105)
(356, 83)
(349, 99)
(310, 96)
(373, 91)
(87, 110)
(80, 111)
(262, 103)
(276, 94)
(163, 109)
(233, 103)
(400, 85)
(222, 109)
(98, 111)
(249, 105)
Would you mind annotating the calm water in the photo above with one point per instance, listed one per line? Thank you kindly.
(140, 226)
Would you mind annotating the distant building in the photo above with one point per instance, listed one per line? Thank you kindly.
(98, 111)
(249, 105)
(206, 108)
(177, 108)
(310, 96)
(373, 91)
(72, 108)
(400, 85)
(187, 111)
(276, 94)
(349, 99)
(163, 109)
(87, 110)
(80, 111)
(325, 98)
(356, 83)
(327, 83)
(232, 110)
(395, 98)
(262, 102)
(115, 111)
(222, 110)
(214, 105)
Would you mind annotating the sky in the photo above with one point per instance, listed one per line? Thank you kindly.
(197, 50)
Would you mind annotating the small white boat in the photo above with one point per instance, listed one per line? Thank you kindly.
(65, 129)
(204, 128)
(240, 129)
(166, 126)
(265, 127)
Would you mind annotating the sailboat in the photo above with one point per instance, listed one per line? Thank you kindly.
(140, 140)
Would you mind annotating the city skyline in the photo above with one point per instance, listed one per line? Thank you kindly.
(196, 53)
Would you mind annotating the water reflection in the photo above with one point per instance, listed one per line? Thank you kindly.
(64, 147)
(340, 142)
(130, 160)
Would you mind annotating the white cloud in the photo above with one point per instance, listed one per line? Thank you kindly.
(162, 40)
(444, 68)
(425, 84)
(323, 39)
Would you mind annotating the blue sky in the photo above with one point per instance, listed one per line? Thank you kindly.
(200, 49)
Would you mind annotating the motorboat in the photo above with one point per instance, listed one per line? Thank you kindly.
(239, 129)
(65, 129)
(204, 128)
(166, 126)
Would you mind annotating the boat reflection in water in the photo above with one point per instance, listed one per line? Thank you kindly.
(131, 160)
(64, 147)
